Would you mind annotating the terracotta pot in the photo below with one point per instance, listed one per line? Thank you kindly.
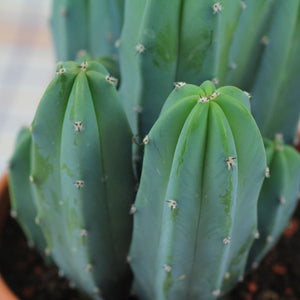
(5, 292)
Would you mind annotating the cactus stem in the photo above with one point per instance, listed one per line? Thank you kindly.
(227, 275)
(78, 126)
(227, 240)
(244, 5)
(282, 200)
(83, 232)
(61, 71)
(13, 213)
(269, 239)
(112, 80)
(256, 235)
(267, 173)
(132, 209)
(172, 204)
(140, 48)
(89, 267)
(79, 184)
(230, 162)
(167, 268)
(216, 293)
(146, 140)
(217, 7)
(179, 84)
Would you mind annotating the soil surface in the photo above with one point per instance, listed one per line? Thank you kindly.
(277, 278)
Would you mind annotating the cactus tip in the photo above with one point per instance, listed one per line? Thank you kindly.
(215, 80)
(203, 100)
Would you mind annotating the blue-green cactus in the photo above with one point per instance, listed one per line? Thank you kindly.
(22, 196)
(278, 197)
(203, 168)
(82, 178)
(90, 25)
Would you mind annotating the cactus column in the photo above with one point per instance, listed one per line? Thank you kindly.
(195, 212)
(82, 177)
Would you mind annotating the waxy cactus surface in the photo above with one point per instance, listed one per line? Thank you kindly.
(278, 197)
(195, 212)
(82, 178)
(90, 25)
(22, 195)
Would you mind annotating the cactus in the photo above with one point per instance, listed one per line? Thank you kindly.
(82, 177)
(23, 198)
(91, 25)
(276, 109)
(278, 197)
(204, 164)
(193, 41)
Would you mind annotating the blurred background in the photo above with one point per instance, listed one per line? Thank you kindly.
(27, 64)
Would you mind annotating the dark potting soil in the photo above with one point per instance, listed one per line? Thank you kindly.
(277, 277)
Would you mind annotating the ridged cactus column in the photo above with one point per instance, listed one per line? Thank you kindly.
(82, 177)
(195, 212)
(278, 197)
